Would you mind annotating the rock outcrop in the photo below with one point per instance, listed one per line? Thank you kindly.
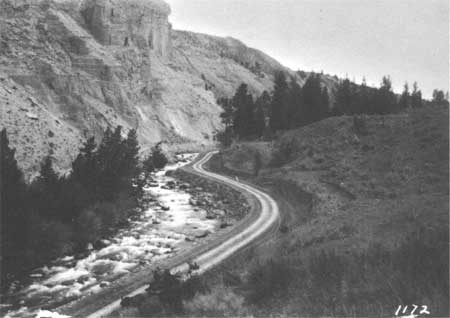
(97, 63)
(143, 23)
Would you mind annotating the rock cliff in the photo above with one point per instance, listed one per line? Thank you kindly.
(143, 23)
(70, 68)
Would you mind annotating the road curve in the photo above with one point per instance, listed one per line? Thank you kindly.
(268, 216)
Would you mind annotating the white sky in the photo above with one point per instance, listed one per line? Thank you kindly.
(406, 39)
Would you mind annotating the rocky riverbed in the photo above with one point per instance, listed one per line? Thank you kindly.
(182, 210)
(219, 201)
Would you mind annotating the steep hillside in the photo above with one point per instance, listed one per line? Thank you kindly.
(96, 63)
(365, 214)
(225, 63)
(396, 164)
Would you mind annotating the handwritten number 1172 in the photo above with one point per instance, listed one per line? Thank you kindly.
(423, 311)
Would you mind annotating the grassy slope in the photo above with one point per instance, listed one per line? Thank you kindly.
(350, 194)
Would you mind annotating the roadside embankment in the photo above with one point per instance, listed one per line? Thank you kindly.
(262, 217)
(364, 217)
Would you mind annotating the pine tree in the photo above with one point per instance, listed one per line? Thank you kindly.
(47, 175)
(315, 99)
(264, 101)
(159, 158)
(438, 96)
(110, 155)
(227, 116)
(260, 120)
(325, 103)
(416, 96)
(385, 99)
(131, 158)
(296, 107)
(84, 167)
(279, 118)
(46, 191)
(243, 124)
(343, 98)
(364, 99)
(12, 184)
(13, 211)
(225, 137)
(404, 101)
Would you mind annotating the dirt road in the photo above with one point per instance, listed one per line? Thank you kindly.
(264, 217)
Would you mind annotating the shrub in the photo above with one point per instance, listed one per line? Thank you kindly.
(151, 306)
(268, 279)
(148, 164)
(220, 302)
(360, 125)
(156, 160)
(224, 137)
(56, 237)
(159, 158)
(283, 154)
(168, 292)
(89, 225)
(414, 273)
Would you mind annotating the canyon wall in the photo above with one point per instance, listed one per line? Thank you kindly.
(69, 69)
(143, 23)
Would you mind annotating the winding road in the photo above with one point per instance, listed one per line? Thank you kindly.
(264, 216)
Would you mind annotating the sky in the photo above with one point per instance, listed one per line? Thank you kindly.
(406, 39)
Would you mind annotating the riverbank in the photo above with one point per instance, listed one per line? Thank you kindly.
(180, 219)
(168, 223)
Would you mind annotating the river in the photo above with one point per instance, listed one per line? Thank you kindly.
(159, 232)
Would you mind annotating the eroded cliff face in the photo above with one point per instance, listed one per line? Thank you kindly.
(135, 22)
(92, 64)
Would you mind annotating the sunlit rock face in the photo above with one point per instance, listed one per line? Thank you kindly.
(140, 23)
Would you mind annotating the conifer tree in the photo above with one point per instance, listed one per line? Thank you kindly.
(243, 124)
(84, 167)
(262, 110)
(264, 101)
(280, 103)
(385, 98)
(364, 98)
(343, 98)
(109, 158)
(325, 103)
(131, 158)
(47, 175)
(159, 159)
(315, 99)
(404, 101)
(296, 109)
(225, 137)
(227, 116)
(416, 96)
(260, 120)
(438, 96)
(12, 184)
(13, 210)
(46, 190)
